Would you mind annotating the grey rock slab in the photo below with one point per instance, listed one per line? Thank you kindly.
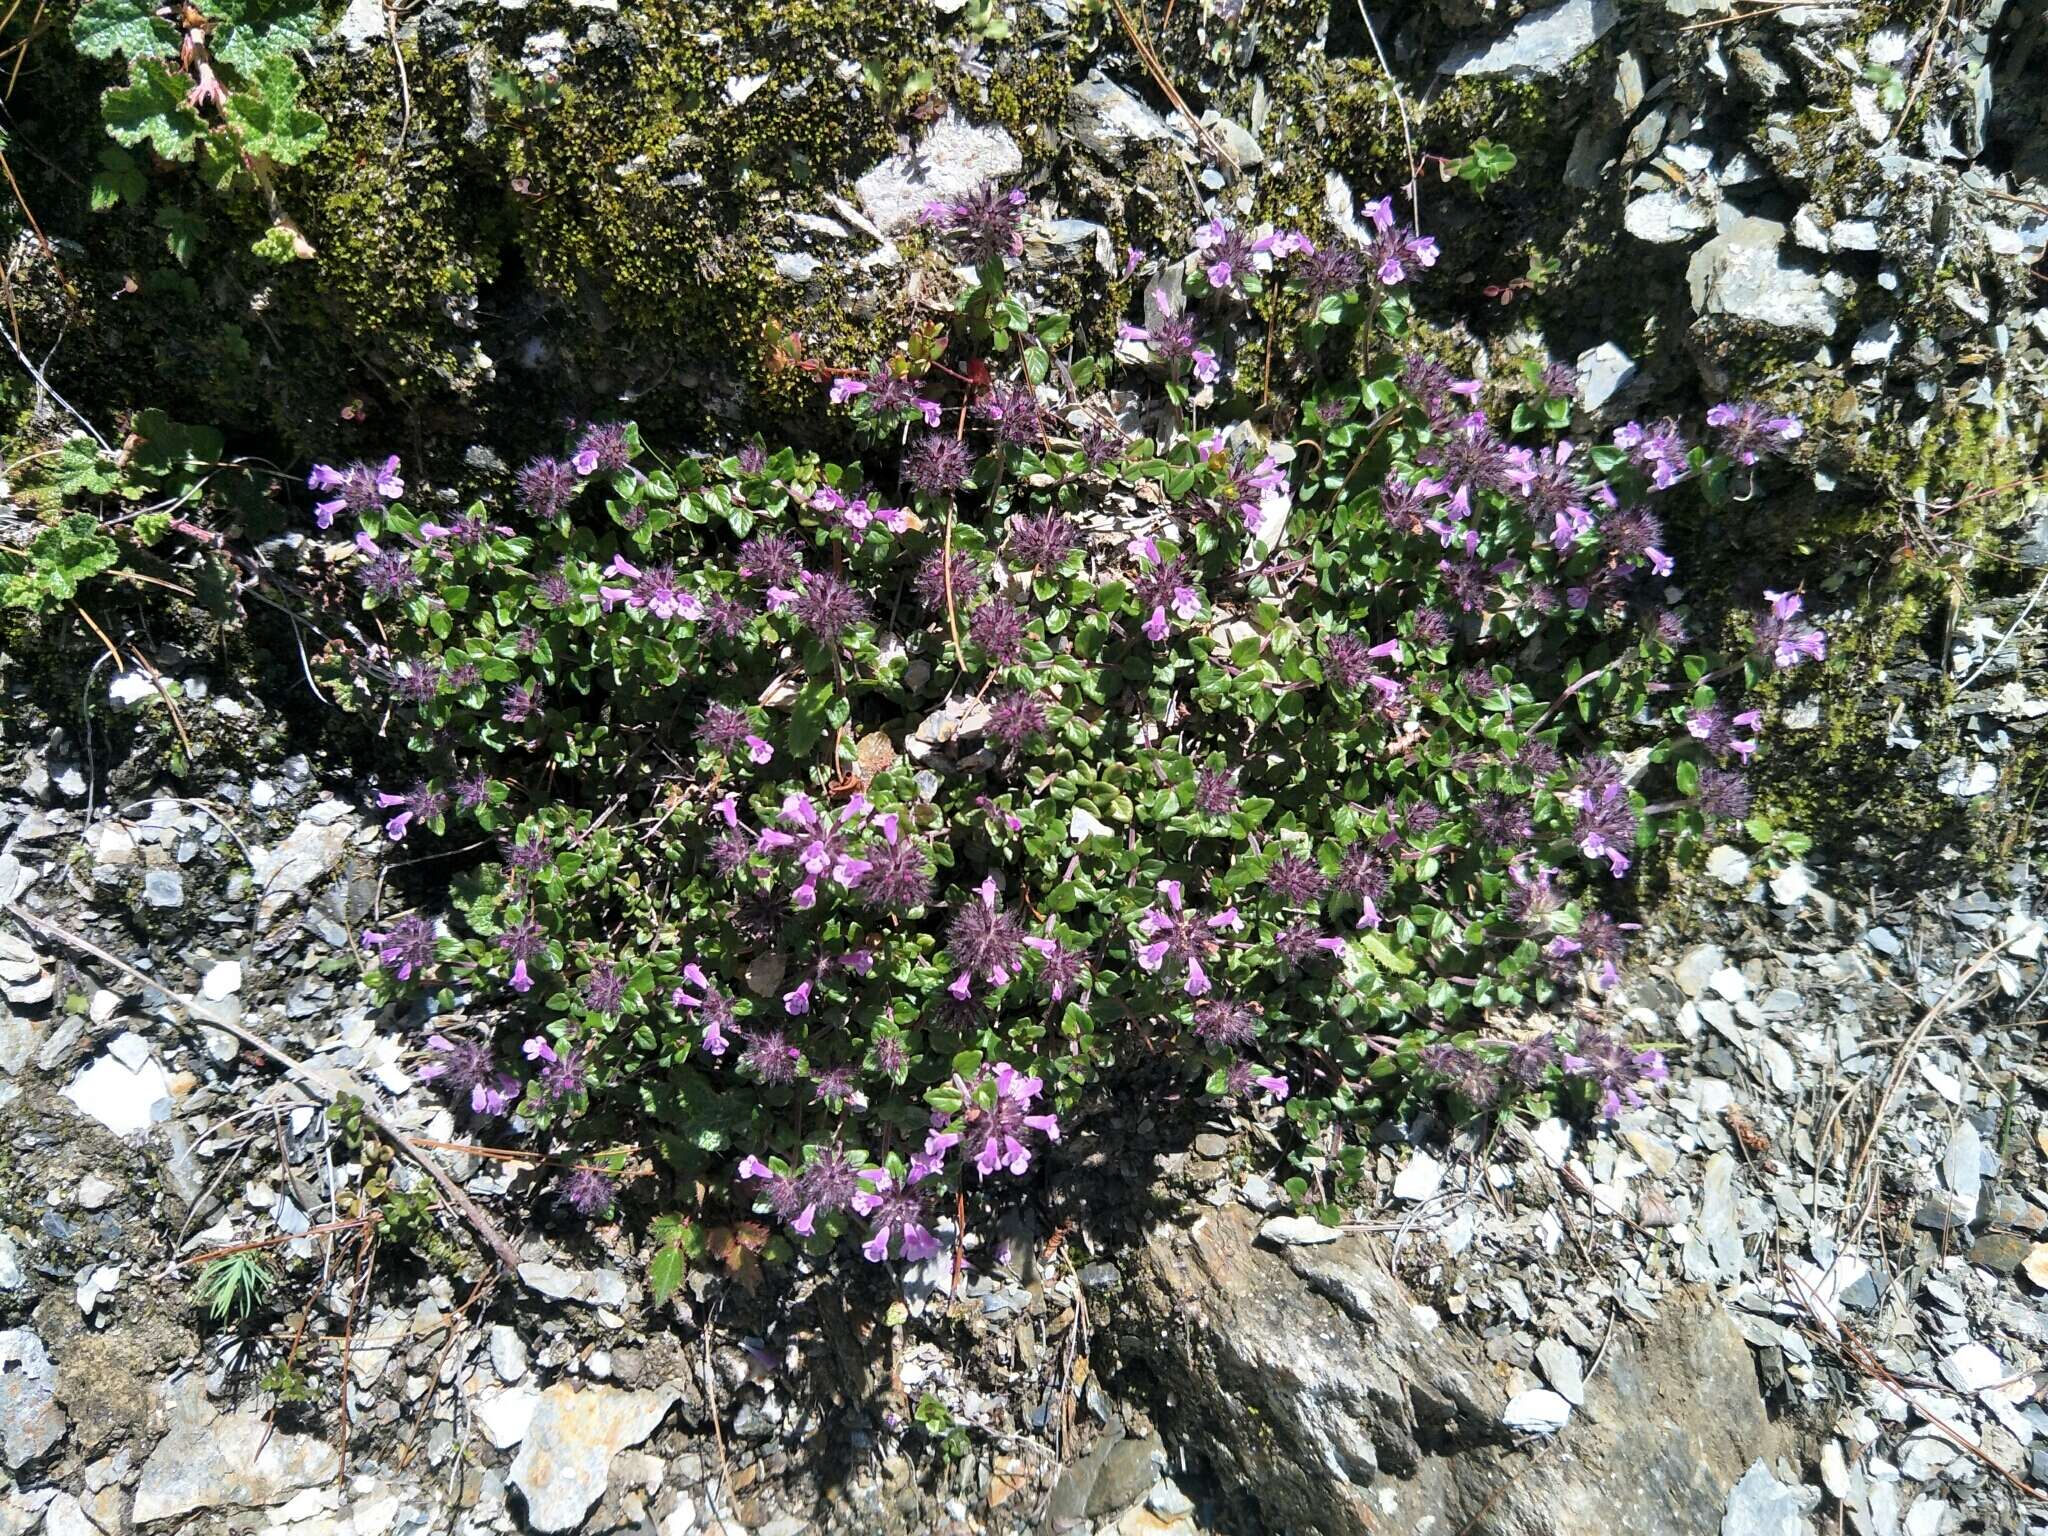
(1297, 1231)
(213, 1460)
(1604, 372)
(1560, 1365)
(596, 1288)
(1128, 1473)
(508, 1352)
(313, 850)
(1744, 274)
(1323, 1392)
(1760, 1505)
(1667, 217)
(565, 1459)
(1543, 43)
(30, 1420)
(955, 156)
(1109, 119)
(1541, 1412)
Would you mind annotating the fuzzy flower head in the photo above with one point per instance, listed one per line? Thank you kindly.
(1170, 339)
(602, 449)
(1016, 717)
(1606, 1059)
(421, 803)
(1785, 638)
(1040, 543)
(405, 947)
(897, 878)
(1178, 940)
(984, 941)
(828, 606)
(898, 1217)
(1162, 585)
(986, 224)
(1747, 430)
(357, 489)
(995, 1122)
(713, 1008)
(937, 465)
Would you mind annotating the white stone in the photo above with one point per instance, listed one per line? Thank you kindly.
(1604, 372)
(506, 1415)
(1553, 1138)
(953, 158)
(1420, 1180)
(221, 981)
(1541, 1412)
(1541, 44)
(122, 1095)
(1727, 864)
(1742, 274)
(1298, 1232)
(1667, 217)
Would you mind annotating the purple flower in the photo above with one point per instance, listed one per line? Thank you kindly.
(723, 728)
(422, 802)
(545, 486)
(1502, 820)
(1781, 636)
(358, 489)
(1040, 543)
(467, 1067)
(1634, 534)
(827, 606)
(992, 1136)
(601, 449)
(1241, 1077)
(1014, 411)
(752, 458)
(1658, 450)
(388, 574)
(1529, 1061)
(885, 396)
(522, 941)
(587, 1192)
(1059, 966)
(1228, 257)
(1329, 270)
(999, 627)
(1362, 874)
(984, 941)
(1396, 251)
(713, 1007)
(1016, 717)
(929, 584)
(1532, 896)
(835, 1087)
(985, 224)
(1748, 431)
(604, 989)
(1714, 728)
(769, 1056)
(784, 1193)
(937, 465)
(1295, 880)
(1606, 824)
(561, 1072)
(773, 559)
(405, 947)
(1180, 940)
(830, 1180)
(1215, 792)
(898, 1215)
(819, 845)
(522, 702)
(1169, 336)
(897, 878)
(1225, 1022)
(1722, 795)
(528, 854)
(1606, 1059)
(1160, 585)
(1464, 1073)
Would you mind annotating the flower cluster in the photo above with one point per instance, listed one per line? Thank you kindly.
(854, 822)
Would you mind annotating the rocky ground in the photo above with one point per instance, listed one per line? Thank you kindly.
(1801, 1291)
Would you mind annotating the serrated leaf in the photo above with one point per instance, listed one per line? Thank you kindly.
(118, 180)
(150, 109)
(264, 31)
(80, 467)
(103, 28)
(272, 122)
(182, 233)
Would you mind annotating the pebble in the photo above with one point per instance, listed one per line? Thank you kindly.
(163, 888)
(1541, 1412)
(94, 1192)
(1697, 967)
(1298, 1231)
(1420, 1180)
(565, 1458)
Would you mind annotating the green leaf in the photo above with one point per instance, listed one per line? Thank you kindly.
(103, 28)
(82, 468)
(59, 560)
(270, 117)
(665, 1273)
(151, 110)
(277, 244)
(182, 233)
(119, 180)
(262, 32)
(168, 448)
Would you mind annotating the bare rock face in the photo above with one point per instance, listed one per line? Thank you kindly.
(1318, 1389)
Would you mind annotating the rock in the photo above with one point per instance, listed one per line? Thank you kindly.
(506, 1415)
(1604, 372)
(94, 1192)
(1298, 1231)
(1697, 967)
(1128, 1473)
(953, 157)
(211, 1460)
(1729, 865)
(1314, 1386)
(1560, 1365)
(595, 1288)
(11, 1277)
(1667, 217)
(508, 1353)
(221, 981)
(2036, 1265)
(565, 1459)
(314, 850)
(1743, 274)
(126, 1090)
(1760, 1505)
(1167, 1501)
(1107, 118)
(1541, 44)
(163, 888)
(1420, 1180)
(30, 1420)
(1537, 1413)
